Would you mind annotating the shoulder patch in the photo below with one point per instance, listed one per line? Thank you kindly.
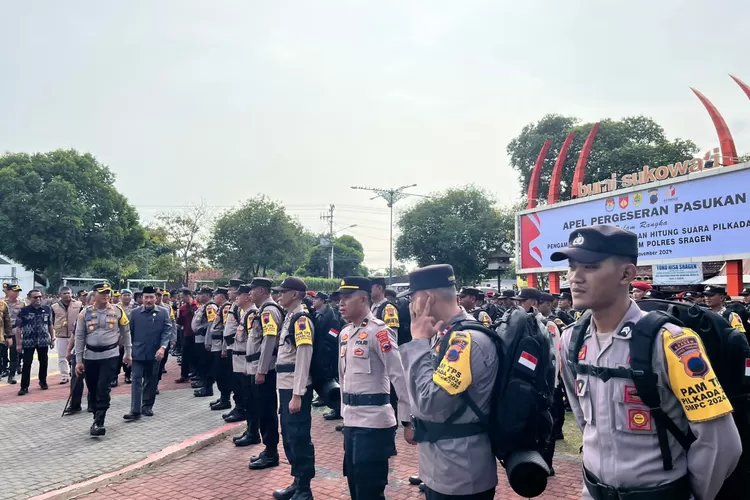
(390, 316)
(124, 321)
(211, 313)
(486, 320)
(453, 373)
(692, 378)
(384, 339)
(736, 322)
(269, 324)
(303, 331)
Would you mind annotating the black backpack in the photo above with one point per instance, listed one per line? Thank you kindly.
(324, 363)
(727, 350)
(741, 311)
(519, 423)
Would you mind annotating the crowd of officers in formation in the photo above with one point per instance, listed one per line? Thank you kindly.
(255, 342)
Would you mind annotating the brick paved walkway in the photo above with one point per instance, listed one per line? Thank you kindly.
(42, 451)
(220, 471)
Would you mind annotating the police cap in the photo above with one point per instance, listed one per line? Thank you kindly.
(745, 292)
(221, 291)
(187, 291)
(654, 294)
(126, 290)
(234, 283)
(378, 281)
(566, 296)
(508, 294)
(205, 290)
(390, 293)
(115, 293)
(148, 289)
(335, 295)
(352, 284)
(12, 288)
(245, 288)
(102, 288)
(690, 295)
(528, 294)
(429, 278)
(470, 291)
(714, 290)
(291, 283)
(321, 296)
(596, 243)
(490, 293)
(263, 282)
(165, 293)
(546, 297)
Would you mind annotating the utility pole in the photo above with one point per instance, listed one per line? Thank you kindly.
(391, 196)
(329, 218)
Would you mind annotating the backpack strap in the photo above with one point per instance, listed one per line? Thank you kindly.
(642, 342)
(291, 338)
(576, 342)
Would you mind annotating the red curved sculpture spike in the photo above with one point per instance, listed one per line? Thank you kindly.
(744, 86)
(554, 184)
(726, 142)
(583, 160)
(536, 174)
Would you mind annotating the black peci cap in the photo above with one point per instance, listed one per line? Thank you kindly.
(595, 243)
(148, 289)
(243, 288)
(291, 283)
(378, 281)
(264, 282)
(429, 278)
(528, 293)
(714, 290)
(546, 297)
(103, 288)
(352, 284)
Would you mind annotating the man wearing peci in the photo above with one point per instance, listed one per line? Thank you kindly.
(150, 332)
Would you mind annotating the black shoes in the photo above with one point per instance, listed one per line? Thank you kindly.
(113, 383)
(423, 488)
(23, 391)
(340, 428)
(182, 380)
(43, 385)
(128, 380)
(234, 416)
(196, 384)
(147, 411)
(247, 440)
(317, 403)
(332, 415)
(288, 492)
(11, 379)
(97, 429)
(132, 416)
(203, 392)
(414, 480)
(221, 405)
(264, 461)
(72, 410)
(303, 494)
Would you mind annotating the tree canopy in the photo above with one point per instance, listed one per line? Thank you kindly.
(184, 234)
(348, 255)
(461, 227)
(621, 146)
(59, 211)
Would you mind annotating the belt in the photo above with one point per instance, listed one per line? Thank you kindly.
(676, 490)
(365, 399)
(238, 353)
(217, 336)
(102, 348)
(432, 432)
(288, 368)
(253, 357)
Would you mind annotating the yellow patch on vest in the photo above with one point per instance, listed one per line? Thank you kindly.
(736, 322)
(692, 378)
(454, 371)
(390, 316)
(124, 321)
(269, 324)
(302, 331)
(211, 313)
(486, 320)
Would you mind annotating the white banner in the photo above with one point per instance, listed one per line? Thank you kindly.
(690, 273)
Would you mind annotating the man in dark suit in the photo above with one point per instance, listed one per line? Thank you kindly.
(150, 330)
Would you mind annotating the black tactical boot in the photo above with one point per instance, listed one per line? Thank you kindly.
(247, 440)
(287, 493)
(265, 461)
(97, 428)
(303, 493)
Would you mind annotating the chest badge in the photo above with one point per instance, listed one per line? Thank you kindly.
(582, 353)
(363, 335)
(359, 352)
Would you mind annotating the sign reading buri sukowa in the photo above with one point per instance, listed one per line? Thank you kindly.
(699, 217)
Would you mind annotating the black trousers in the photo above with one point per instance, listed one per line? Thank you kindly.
(99, 373)
(248, 406)
(366, 453)
(28, 358)
(295, 434)
(9, 358)
(558, 410)
(76, 387)
(485, 495)
(188, 344)
(238, 390)
(203, 364)
(163, 363)
(221, 368)
(121, 366)
(263, 403)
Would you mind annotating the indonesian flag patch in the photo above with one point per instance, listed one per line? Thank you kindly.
(528, 360)
(747, 367)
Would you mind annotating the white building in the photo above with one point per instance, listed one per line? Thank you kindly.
(12, 272)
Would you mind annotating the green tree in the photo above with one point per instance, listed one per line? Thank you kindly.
(59, 211)
(256, 238)
(398, 270)
(184, 233)
(348, 255)
(620, 147)
(461, 227)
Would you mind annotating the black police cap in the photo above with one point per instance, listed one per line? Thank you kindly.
(263, 282)
(714, 290)
(745, 292)
(221, 291)
(12, 288)
(528, 294)
(429, 278)
(206, 290)
(321, 296)
(335, 295)
(378, 281)
(291, 283)
(102, 288)
(595, 243)
(390, 293)
(186, 291)
(244, 288)
(508, 294)
(470, 291)
(352, 284)
(546, 297)
(234, 283)
(148, 289)
(566, 296)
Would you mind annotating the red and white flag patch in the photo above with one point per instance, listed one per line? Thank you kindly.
(747, 367)
(528, 361)
(333, 333)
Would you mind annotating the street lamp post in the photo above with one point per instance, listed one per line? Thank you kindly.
(330, 259)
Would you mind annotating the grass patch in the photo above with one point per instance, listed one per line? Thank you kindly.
(573, 439)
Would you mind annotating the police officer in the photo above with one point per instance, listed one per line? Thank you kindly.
(468, 299)
(221, 368)
(369, 363)
(745, 294)
(490, 307)
(544, 308)
(329, 324)
(382, 309)
(621, 450)
(14, 308)
(295, 389)
(565, 312)
(262, 348)
(237, 342)
(231, 327)
(462, 467)
(202, 320)
(640, 289)
(100, 330)
(715, 299)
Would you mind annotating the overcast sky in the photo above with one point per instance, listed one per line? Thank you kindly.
(221, 100)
